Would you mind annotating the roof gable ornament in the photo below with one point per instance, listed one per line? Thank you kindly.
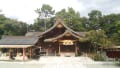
(59, 25)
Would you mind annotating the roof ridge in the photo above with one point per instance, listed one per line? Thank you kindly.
(4, 37)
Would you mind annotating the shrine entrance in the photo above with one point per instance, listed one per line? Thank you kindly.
(67, 48)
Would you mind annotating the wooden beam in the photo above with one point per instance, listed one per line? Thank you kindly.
(15, 46)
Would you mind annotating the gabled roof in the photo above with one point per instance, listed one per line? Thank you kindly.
(59, 21)
(60, 36)
(18, 40)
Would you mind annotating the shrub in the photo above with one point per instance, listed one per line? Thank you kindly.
(118, 64)
(98, 57)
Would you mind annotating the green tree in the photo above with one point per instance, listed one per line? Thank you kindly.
(14, 27)
(2, 19)
(45, 12)
(11, 27)
(97, 39)
(94, 19)
(108, 23)
(116, 35)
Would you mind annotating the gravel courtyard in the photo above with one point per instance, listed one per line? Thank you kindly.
(59, 62)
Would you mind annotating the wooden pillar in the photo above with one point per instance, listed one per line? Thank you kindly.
(76, 49)
(55, 52)
(0, 51)
(16, 51)
(89, 50)
(30, 52)
(23, 54)
(59, 48)
(9, 52)
(46, 52)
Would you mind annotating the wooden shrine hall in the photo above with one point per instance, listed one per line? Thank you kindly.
(59, 40)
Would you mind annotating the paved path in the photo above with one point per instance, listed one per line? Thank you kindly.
(72, 62)
(63, 62)
(65, 59)
(59, 62)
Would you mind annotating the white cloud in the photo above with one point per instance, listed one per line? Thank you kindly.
(24, 9)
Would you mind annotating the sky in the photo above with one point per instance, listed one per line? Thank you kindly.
(24, 10)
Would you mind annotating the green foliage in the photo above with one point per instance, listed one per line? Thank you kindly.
(71, 18)
(14, 27)
(98, 57)
(98, 39)
(39, 24)
(11, 27)
(43, 21)
(118, 64)
(94, 19)
(45, 11)
(116, 34)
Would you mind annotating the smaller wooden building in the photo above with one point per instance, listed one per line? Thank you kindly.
(113, 52)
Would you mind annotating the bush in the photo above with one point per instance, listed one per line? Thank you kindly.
(98, 57)
(118, 64)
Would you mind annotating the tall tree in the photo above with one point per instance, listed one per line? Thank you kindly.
(2, 19)
(45, 12)
(108, 23)
(94, 19)
(116, 35)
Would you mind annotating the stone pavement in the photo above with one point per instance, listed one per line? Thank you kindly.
(48, 59)
(73, 62)
(65, 62)
(58, 62)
